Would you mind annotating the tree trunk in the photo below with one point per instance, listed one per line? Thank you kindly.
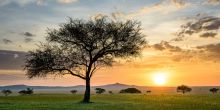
(183, 92)
(87, 92)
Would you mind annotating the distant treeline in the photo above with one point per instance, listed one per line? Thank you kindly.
(182, 89)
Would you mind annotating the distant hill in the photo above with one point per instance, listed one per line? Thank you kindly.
(109, 87)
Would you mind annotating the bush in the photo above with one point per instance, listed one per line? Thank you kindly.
(130, 90)
(149, 91)
(99, 90)
(28, 91)
(73, 91)
(6, 92)
(110, 92)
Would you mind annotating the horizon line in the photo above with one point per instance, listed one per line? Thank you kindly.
(111, 84)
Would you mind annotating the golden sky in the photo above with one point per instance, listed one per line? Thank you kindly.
(183, 39)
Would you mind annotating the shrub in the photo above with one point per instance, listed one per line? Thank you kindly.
(110, 92)
(99, 90)
(130, 90)
(73, 91)
(148, 91)
(6, 92)
(28, 91)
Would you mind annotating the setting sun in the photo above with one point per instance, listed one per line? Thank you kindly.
(160, 78)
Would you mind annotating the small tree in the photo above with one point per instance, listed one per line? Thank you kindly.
(28, 91)
(22, 92)
(148, 91)
(79, 48)
(73, 91)
(213, 90)
(183, 89)
(99, 90)
(6, 92)
(110, 92)
(130, 90)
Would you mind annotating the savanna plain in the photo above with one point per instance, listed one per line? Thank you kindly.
(112, 102)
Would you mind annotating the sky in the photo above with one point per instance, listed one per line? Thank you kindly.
(183, 40)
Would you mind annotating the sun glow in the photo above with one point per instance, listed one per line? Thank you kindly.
(160, 78)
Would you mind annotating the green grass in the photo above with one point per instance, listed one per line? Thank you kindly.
(111, 102)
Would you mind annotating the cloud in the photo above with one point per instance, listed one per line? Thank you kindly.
(67, 1)
(28, 37)
(28, 34)
(12, 59)
(6, 41)
(210, 52)
(19, 2)
(37, 2)
(178, 3)
(208, 34)
(204, 53)
(164, 45)
(211, 48)
(211, 2)
(98, 16)
(41, 2)
(205, 27)
(175, 53)
(165, 6)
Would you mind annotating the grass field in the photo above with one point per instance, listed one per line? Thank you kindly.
(111, 102)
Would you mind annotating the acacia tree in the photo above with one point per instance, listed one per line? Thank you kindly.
(80, 47)
(183, 89)
(130, 90)
(213, 90)
(99, 90)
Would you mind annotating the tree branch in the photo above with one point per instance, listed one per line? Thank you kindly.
(93, 70)
(70, 72)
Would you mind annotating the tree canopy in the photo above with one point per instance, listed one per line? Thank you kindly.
(183, 89)
(80, 47)
(99, 90)
(214, 90)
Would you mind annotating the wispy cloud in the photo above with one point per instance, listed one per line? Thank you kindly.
(28, 34)
(6, 41)
(164, 45)
(37, 2)
(210, 52)
(211, 48)
(212, 2)
(206, 27)
(165, 7)
(19, 2)
(67, 1)
(28, 39)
